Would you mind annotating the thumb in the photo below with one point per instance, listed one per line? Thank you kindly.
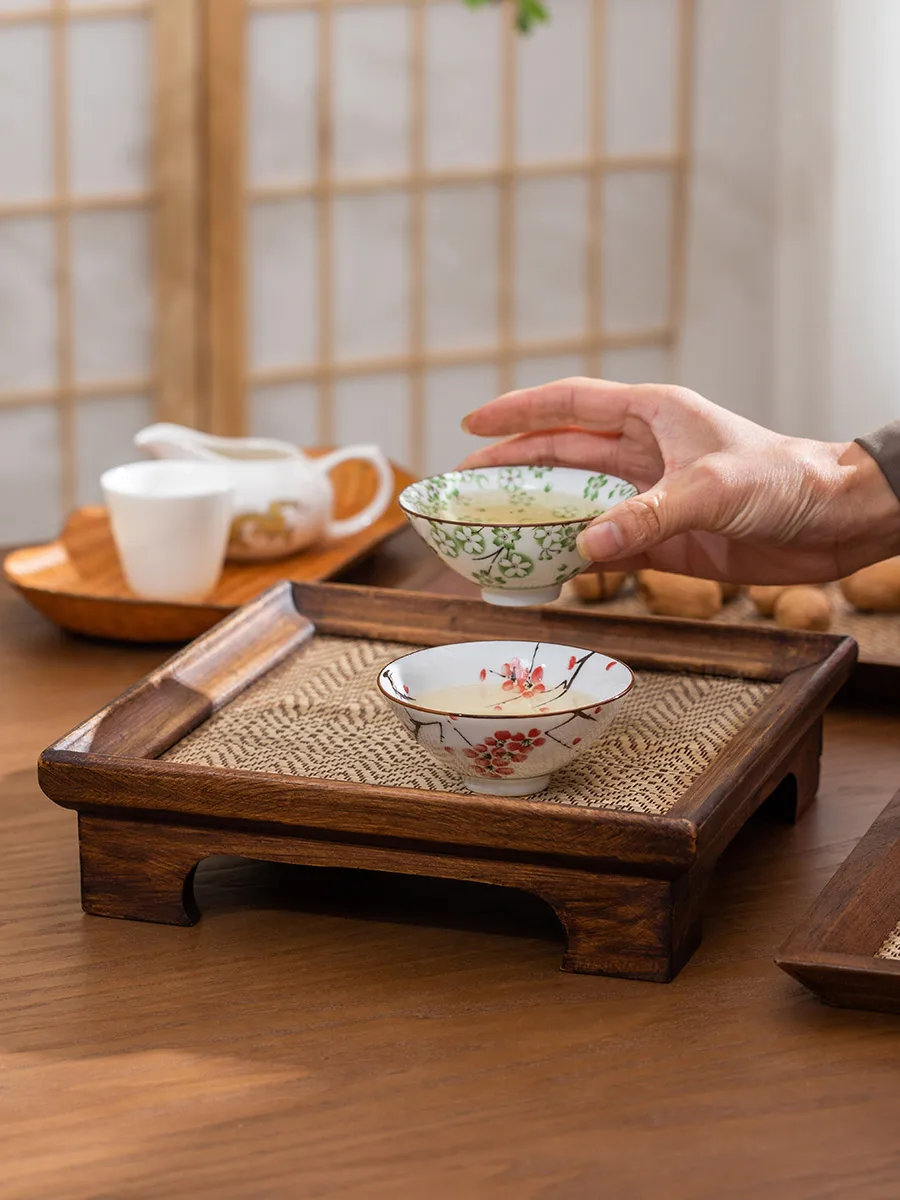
(674, 505)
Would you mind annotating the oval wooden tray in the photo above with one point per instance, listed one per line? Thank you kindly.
(76, 581)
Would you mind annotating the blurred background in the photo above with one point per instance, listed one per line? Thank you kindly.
(349, 220)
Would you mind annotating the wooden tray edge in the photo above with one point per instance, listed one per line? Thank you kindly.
(182, 692)
(832, 949)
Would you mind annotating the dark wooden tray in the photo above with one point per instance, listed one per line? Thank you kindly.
(834, 951)
(628, 887)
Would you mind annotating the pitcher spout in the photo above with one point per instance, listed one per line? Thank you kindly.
(165, 440)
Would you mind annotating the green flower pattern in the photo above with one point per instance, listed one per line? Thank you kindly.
(514, 565)
(470, 539)
(600, 483)
(445, 543)
(504, 556)
(556, 538)
(504, 562)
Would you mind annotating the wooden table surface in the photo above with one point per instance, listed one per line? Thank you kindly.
(328, 1034)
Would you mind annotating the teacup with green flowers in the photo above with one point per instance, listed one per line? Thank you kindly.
(512, 530)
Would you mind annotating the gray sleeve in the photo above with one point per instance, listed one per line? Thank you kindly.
(884, 446)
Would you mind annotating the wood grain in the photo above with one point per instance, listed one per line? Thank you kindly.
(352, 1033)
(224, 269)
(627, 887)
(359, 1034)
(832, 950)
(177, 230)
(77, 583)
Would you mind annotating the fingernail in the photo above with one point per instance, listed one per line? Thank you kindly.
(464, 423)
(601, 541)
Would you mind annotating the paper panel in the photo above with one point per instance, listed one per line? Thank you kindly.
(25, 6)
(553, 85)
(640, 75)
(547, 368)
(451, 393)
(461, 266)
(551, 257)
(104, 429)
(286, 411)
(26, 131)
(371, 275)
(109, 105)
(375, 410)
(282, 269)
(638, 364)
(112, 295)
(463, 85)
(282, 86)
(371, 90)
(30, 507)
(27, 303)
(636, 250)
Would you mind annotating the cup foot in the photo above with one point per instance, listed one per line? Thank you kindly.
(508, 787)
(522, 597)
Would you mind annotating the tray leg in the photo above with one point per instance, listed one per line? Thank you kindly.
(800, 784)
(625, 926)
(142, 872)
(616, 925)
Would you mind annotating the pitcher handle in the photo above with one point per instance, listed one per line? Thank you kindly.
(383, 494)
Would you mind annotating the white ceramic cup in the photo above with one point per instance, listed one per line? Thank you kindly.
(170, 521)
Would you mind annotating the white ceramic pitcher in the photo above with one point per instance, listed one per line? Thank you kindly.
(283, 500)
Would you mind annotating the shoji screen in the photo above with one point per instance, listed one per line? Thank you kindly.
(416, 207)
(81, 255)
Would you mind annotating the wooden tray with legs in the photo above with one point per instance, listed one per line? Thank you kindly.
(847, 947)
(266, 739)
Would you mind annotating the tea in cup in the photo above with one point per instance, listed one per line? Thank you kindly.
(504, 716)
(512, 530)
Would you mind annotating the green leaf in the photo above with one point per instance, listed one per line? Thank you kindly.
(528, 12)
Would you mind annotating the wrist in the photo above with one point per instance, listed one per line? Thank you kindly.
(871, 524)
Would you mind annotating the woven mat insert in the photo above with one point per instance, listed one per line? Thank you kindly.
(890, 947)
(878, 634)
(319, 715)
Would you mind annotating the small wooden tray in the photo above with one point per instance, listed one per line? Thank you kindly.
(847, 947)
(628, 884)
(77, 583)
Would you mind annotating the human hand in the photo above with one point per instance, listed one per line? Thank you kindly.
(720, 497)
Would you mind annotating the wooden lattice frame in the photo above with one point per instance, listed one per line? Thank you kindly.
(171, 198)
(198, 196)
(228, 195)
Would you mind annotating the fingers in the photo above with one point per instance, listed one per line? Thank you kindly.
(553, 448)
(706, 556)
(590, 403)
(681, 503)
